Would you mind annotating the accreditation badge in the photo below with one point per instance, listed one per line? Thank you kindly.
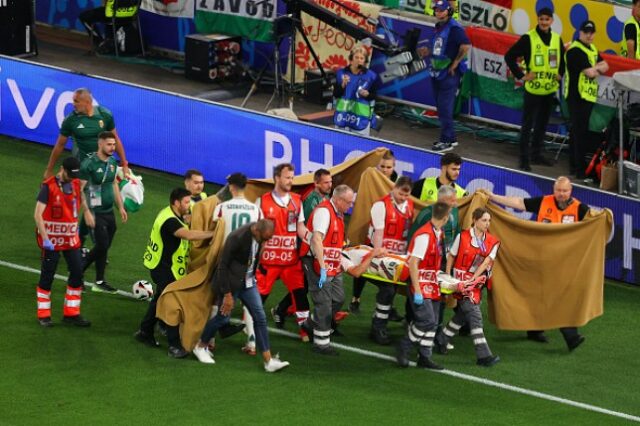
(95, 196)
(553, 58)
(292, 221)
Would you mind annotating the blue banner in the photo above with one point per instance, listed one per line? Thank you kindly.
(173, 133)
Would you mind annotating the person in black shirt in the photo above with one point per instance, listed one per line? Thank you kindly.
(560, 207)
(540, 87)
(582, 91)
(164, 271)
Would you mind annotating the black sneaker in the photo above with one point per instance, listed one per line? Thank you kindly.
(488, 361)
(380, 336)
(325, 350)
(574, 343)
(440, 349)
(76, 320)
(442, 147)
(145, 338)
(229, 330)
(525, 167)
(104, 287)
(395, 316)
(45, 322)
(354, 307)
(428, 364)
(402, 358)
(177, 352)
(537, 336)
(278, 318)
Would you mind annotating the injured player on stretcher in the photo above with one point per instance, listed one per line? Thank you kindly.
(378, 263)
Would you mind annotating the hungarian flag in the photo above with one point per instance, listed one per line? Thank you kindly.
(249, 19)
(173, 8)
(492, 81)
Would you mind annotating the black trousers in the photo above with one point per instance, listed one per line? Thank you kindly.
(103, 236)
(90, 18)
(162, 277)
(580, 111)
(49, 265)
(535, 115)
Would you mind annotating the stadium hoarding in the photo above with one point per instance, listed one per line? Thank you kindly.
(173, 133)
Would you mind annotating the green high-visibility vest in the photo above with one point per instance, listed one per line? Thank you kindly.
(121, 12)
(623, 43)
(155, 246)
(587, 87)
(545, 62)
(203, 196)
(429, 191)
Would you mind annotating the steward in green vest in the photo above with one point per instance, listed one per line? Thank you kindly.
(630, 40)
(168, 246)
(543, 53)
(584, 65)
(127, 9)
(427, 189)
(194, 182)
(167, 258)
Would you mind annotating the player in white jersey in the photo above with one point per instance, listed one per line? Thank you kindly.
(236, 212)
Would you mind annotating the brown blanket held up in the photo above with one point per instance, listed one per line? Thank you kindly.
(187, 302)
(546, 276)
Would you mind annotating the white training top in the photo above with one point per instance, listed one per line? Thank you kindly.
(421, 243)
(474, 242)
(379, 212)
(236, 213)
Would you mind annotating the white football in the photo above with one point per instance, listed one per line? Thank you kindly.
(142, 290)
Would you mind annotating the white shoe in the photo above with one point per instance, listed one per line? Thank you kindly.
(274, 365)
(450, 347)
(203, 355)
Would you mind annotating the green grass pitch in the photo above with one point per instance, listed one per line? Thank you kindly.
(101, 375)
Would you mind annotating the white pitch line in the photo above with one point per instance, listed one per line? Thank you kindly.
(62, 278)
(384, 357)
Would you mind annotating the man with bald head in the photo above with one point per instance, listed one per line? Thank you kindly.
(83, 125)
(557, 208)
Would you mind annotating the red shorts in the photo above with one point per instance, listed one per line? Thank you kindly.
(292, 277)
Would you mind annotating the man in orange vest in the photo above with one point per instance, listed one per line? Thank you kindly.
(425, 261)
(557, 208)
(391, 218)
(321, 258)
(280, 258)
(56, 214)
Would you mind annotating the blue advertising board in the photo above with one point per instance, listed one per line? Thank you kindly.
(173, 133)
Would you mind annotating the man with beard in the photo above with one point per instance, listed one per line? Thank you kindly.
(322, 191)
(427, 189)
(279, 257)
(557, 208)
(322, 182)
(98, 179)
(167, 257)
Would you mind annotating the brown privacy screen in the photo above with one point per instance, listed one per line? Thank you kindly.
(546, 276)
